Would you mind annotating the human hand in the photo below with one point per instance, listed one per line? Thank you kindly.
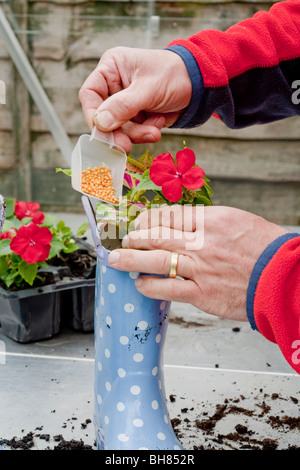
(135, 92)
(215, 272)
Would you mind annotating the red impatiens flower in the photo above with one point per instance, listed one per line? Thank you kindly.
(171, 177)
(9, 234)
(32, 243)
(29, 209)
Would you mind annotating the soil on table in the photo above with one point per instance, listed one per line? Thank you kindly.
(56, 442)
(244, 435)
(201, 427)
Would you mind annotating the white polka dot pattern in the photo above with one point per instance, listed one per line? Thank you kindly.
(130, 406)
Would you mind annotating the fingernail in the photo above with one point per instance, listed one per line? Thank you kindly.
(104, 120)
(125, 242)
(148, 138)
(139, 282)
(113, 257)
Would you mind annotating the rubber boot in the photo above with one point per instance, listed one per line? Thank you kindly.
(130, 400)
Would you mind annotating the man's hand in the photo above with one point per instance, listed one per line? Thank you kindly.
(215, 273)
(136, 92)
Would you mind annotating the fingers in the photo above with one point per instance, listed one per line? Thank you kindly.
(178, 217)
(176, 290)
(152, 262)
(136, 133)
(121, 107)
(144, 132)
(163, 238)
(122, 140)
(92, 93)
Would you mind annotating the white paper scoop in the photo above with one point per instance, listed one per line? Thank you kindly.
(96, 150)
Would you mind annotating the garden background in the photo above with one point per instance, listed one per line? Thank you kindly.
(256, 169)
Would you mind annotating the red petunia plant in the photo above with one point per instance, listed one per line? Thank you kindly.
(156, 181)
(32, 243)
(29, 209)
(28, 240)
(174, 175)
(170, 180)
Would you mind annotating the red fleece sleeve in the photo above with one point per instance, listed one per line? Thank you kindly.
(264, 40)
(247, 74)
(276, 304)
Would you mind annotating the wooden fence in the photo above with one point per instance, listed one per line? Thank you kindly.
(256, 169)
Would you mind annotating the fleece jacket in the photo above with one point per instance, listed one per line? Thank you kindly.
(246, 75)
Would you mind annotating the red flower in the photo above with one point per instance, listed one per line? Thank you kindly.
(171, 178)
(32, 243)
(9, 234)
(29, 209)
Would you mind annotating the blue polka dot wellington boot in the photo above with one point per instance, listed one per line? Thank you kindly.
(130, 410)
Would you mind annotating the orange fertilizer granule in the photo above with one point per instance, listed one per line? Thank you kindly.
(97, 182)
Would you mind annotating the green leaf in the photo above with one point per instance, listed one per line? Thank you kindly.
(26, 220)
(66, 171)
(203, 200)
(10, 207)
(3, 267)
(56, 246)
(8, 224)
(28, 271)
(82, 229)
(12, 222)
(106, 212)
(133, 175)
(208, 189)
(61, 226)
(49, 220)
(12, 278)
(145, 184)
(5, 247)
(70, 248)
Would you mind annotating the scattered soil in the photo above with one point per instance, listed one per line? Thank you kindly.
(29, 441)
(201, 427)
(185, 324)
(72, 445)
(243, 435)
(22, 443)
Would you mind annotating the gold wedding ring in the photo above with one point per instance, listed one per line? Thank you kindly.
(173, 265)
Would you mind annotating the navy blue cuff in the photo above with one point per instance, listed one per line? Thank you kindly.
(186, 119)
(260, 265)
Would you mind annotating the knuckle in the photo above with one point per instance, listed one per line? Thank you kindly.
(128, 260)
(155, 242)
(163, 262)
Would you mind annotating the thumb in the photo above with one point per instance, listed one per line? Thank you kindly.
(121, 107)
